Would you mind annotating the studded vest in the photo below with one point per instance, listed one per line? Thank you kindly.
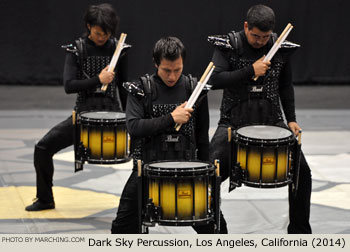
(249, 102)
(90, 66)
(169, 144)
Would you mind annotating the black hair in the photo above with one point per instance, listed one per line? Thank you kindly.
(102, 15)
(170, 48)
(261, 17)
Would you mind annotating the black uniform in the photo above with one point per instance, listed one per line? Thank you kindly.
(84, 61)
(148, 121)
(247, 102)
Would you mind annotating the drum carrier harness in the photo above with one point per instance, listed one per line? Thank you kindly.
(89, 66)
(169, 144)
(249, 102)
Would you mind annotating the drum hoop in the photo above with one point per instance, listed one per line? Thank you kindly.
(264, 142)
(239, 138)
(170, 222)
(98, 121)
(108, 161)
(176, 176)
(288, 139)
(205, 169)
(268, 184)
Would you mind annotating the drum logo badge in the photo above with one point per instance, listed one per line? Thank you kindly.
(268, 160)
(172, 139)
(184, 193)
(108, 139)
(256, 89)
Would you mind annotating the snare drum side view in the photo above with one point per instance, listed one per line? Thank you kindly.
(264, 154)
(179, 193)
(101, 138)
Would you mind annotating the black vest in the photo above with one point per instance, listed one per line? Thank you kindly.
(90, 66)
(168, 144)
(250, 102)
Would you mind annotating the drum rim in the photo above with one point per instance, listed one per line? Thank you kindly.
(180, 222)
(276, 184)
(174, 161)
(206, 170)
(246, 139)
(98, 120)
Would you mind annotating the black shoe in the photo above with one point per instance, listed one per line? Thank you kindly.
(38, 205)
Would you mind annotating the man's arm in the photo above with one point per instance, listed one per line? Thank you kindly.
(287, 92)
(138, 125)
(222, 76)
(70, 77)
(202, 129)
(122, 76)
(287, 97)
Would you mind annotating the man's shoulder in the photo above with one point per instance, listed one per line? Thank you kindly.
(220, 41)
(75, 46)
(229, 41)
(135, 88)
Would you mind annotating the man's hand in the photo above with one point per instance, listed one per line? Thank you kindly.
(261, 67)
(105, 76)
(181, 114)
(293, 126)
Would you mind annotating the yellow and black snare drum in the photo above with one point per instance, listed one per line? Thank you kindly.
(101, 138)
(179, 193)
(264, 155)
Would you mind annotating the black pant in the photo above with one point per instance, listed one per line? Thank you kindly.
(127, 220)
(299, 205)
(58, 138)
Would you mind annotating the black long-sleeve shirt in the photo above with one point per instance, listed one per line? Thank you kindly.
(224, 77)
(139, 126)
(71, 69)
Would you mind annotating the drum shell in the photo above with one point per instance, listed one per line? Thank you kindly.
(265, 163)
(104, 139)
(184, 195)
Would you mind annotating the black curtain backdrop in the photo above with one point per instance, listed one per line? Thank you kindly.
(33, 31)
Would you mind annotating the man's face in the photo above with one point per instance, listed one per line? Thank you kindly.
(256, 38)
(97, 35)
(170, 71)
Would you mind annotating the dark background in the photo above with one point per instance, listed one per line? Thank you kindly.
(33, 31)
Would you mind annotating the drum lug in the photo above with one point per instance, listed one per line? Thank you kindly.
(83, 152)
(152, 213)
(235, 177)
(78, 165)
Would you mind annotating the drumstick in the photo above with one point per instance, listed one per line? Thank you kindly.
(200, 88)
(217, 165)
(73, 117)
(115, 57)
(299, 136)
(229, 137)
(200, 81)
(139, 170)
(277, 44)
(201, 84)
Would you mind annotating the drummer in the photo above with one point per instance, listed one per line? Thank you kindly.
(155, 104)
(238, 58)
(85, 71)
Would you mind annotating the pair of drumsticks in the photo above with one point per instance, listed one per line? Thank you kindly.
(115, 57)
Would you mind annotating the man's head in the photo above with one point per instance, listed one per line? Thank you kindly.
(101, 22)
(168, 55)
(259, 25)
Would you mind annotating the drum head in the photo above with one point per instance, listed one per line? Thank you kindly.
(178, 165)
(264, 132)
(100, 115)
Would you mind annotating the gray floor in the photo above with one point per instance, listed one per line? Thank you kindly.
(86, 202)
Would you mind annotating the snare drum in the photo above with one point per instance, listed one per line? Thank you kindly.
(103, 137)
(181, 192)
(264, 153)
